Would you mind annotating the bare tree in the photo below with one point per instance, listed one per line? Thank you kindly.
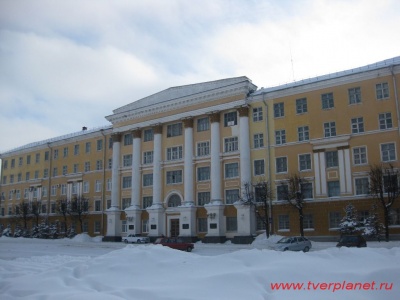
(384, 187)
(36, 210)
(259, 196)
(23, 212)
(63, 208)
(79, 209)
(293, 193)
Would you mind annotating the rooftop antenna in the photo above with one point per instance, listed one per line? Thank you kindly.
(291, 60)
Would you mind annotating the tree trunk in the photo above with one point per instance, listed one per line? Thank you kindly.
(301, 221)
(386, 212)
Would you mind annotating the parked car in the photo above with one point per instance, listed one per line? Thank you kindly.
(293, 243)
(175, 243)
(136, 238)
(352, 241)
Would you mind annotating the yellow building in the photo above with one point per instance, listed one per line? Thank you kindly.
(176, 162)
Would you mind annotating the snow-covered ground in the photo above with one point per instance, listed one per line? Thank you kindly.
(86, 268)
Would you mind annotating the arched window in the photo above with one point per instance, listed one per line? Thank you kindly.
(174, 201)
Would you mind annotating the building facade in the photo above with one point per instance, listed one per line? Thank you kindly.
(176, 162)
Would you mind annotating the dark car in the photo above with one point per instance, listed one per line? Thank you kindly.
(352, 241)
(175, 243)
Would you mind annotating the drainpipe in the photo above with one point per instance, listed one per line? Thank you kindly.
(271, 227)
(50, 174)
(395, 97)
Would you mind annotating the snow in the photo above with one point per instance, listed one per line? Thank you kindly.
(87, 268)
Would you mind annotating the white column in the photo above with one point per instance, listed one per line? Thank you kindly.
(69, 190)
(317, 174)
(244, 147)
(136, 175)
(157, 158)
(188, 165)
(342, 172)
(347, 165)
(323, 172)
(216, 197)
(115, 182)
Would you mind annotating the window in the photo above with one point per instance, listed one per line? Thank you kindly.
(308, 221)
(394, 217)
(87, 166)
(108, 204)
(382, 90)
(334, 219)
(282, 191)
(390, 183)
(44, 191)
(174, 129)
(203, 173)
(307, 190)
(258, 140)
(231, 196)
(303, 133)
(388, 152)
(354, 95)
(97, 205)
(74, 188)
(329, 129)
(360, 155)
(203, 198)
(28, 159)
(19, 193)
(75, 168)
(19, 178)
(27, 176)
(97, 226)
(12, 163)
(231, 224)
(88, 147)
(259, 167)
(45, 173)
(174, 201)
(65, 152)
(231, 170)
(126, 182)
(148, 157)
(174, 153)
(327, 101)
(281, 164)
(55, 154)
(99, 145)
(257, 114)
(331, 158)
(203, 124)
(128, 139)
(5, 164)
(53, 191)
(124, 226)
(63, 189)
(64, 170)
(147, 201)
(55, 171)
(174, 177)
(301, 106)
(203, 148)
(108, 184)
(76, 149)
(148, 135)
(127, 160)
(305, 162)
(357, 125)
(110, 143)
(46, 156)
(20, 161)
(11, 178)
(280, 137)
(283, 222)
(279, 110)
(230, 119)
(126, 202)
(333, 188)
(98, 185)
(37, 158)
(110, 163)
(86, 187)
(385, 121)
(362, 186)
(202, 224)
(148, 179)
(231, 144)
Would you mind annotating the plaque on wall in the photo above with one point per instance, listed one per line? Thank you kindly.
(185, 226)
(131, 227)
(153, 226)
(213, 225)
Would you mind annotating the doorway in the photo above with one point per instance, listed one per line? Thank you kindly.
(174, 228)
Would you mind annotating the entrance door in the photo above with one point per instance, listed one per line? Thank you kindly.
(174, 228)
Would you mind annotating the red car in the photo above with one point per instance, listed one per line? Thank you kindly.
(175, 243)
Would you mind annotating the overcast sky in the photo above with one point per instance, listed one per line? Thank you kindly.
(68, 64)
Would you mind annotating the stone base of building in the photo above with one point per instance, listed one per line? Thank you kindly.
(214, 239)
(112, 239)
(243, 239)
(189, 239)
